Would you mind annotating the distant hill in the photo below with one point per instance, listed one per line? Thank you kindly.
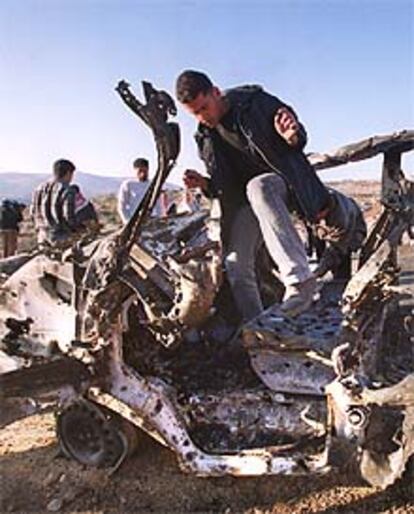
(21, 185)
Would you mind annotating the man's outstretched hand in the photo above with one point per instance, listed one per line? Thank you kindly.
(194, 179)
(287, 126)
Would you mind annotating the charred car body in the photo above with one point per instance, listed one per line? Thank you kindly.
(118, 336)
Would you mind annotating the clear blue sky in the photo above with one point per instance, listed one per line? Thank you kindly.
(345, 65)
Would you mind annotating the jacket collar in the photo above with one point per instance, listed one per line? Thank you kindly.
(241, 95)
(237, 97)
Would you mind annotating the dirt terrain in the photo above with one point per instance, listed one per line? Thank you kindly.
(36, 478)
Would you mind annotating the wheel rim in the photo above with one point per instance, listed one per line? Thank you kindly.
(87, 435)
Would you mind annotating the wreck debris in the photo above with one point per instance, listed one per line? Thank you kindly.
(398, 142)
(280, 397)
(41, 387)
(293, 355)
(188, 289)
(93, 436)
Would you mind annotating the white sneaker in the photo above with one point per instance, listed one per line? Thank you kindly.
(299, 297)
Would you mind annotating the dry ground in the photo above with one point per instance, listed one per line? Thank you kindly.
(33, 478)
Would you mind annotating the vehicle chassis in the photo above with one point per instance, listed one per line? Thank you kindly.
(334, 353)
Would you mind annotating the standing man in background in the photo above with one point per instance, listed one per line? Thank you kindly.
(11, 215)
(132, 191)
(60, 212)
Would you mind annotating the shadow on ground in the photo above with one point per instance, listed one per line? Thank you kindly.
(152, 482)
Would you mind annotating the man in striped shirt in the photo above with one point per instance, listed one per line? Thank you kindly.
(60, 211)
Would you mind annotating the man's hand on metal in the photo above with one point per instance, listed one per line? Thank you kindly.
(287, 126)
(194, 179)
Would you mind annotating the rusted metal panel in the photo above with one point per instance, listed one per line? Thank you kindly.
(289, 372)
(399, 141)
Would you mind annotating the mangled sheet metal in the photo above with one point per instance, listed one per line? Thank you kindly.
(293, 355)
(36, 308)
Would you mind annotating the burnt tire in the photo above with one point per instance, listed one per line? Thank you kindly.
(93, 436)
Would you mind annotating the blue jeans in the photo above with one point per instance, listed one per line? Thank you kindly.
(267, 218)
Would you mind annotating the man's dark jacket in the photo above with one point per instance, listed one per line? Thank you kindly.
(254, 111)
(10, 214)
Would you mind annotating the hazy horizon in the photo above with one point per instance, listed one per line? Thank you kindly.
(345, 66)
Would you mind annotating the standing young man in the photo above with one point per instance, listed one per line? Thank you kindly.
(11, 215)
(133, 190)
(60, 212)
(252, 144)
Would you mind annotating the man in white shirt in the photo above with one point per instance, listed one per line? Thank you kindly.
(133, 190)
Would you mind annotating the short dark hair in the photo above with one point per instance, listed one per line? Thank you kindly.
(61, 167)
(190, 84)
(140, 163)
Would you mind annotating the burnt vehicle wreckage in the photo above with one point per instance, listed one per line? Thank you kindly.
(103, 334)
